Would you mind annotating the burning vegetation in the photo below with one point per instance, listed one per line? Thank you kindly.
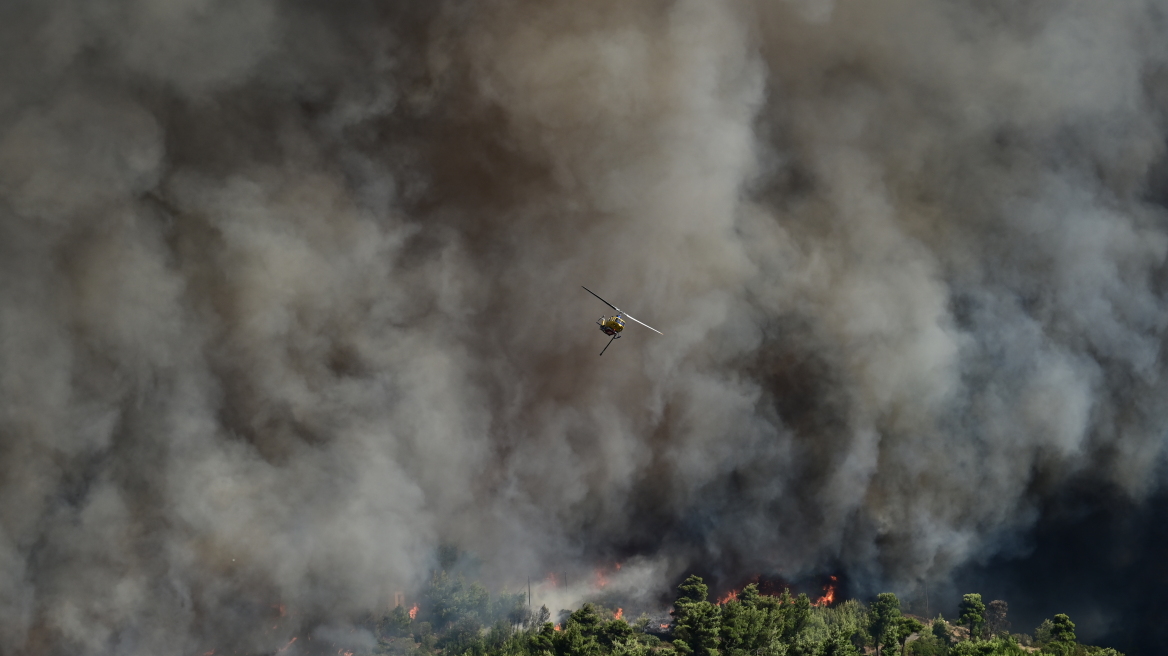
(455, 618)
(828, 593)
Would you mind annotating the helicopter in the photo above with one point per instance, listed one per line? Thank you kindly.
(612, 326)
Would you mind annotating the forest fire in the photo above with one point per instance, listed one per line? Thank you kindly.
(620, 612)
(730, 596)
(601, 575)
(285, 647)
(414, 612)
(828, 594)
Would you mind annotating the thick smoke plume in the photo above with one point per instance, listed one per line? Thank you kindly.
(290, 295)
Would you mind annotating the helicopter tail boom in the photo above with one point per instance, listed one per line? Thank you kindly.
(607, 345)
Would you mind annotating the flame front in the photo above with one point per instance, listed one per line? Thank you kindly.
(730, 596)
(828, 594)
(620, 612)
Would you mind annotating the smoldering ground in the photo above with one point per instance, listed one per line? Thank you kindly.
(290, 296)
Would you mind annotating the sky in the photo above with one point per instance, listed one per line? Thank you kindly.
(290, 298)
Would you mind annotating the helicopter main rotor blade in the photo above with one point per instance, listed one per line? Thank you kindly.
(607, 345)
(601, 299)
(643, 323)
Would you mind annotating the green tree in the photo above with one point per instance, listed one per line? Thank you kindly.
(905, 628)
(580, 634)
(451, 599)
(693, 590)
(395, 624)
(847, 621)
(696, 622)
(928, 645)
(541, 642)
(798, 614)
(935, 639)
(614, 632)
(630, 647)
(1062, 629)
(745, 623)
(884, 619)
(1042, 632)
(462, 636)
(1062, 638)
(838, 644)
(424, 634)
(941, 632)
(1005, 646)
(972, 611)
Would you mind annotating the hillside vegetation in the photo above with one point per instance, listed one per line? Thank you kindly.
(458, 619)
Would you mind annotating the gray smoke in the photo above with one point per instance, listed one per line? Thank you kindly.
(290, 295)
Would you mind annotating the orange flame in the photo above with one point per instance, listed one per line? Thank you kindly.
(828, 594)
(664, 626)
(620, 612)
(413, 612)
(601, 579)
(285, 647)
(733, 594)
(557, 628)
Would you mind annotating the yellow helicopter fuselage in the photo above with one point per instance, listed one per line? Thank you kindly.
(611, 325)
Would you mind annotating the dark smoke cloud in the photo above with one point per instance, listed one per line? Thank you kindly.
(289, 296)
(1095, 555)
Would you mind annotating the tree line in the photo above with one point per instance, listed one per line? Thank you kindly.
(455, 618)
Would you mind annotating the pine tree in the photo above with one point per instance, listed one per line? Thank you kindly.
(972, 611)
(883, 620)
(696, 621)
